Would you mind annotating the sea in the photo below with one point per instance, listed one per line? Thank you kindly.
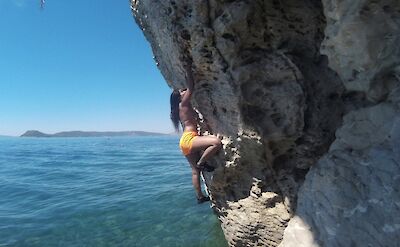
(99, 191)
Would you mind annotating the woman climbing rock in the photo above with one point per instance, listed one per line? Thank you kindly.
(191, 143)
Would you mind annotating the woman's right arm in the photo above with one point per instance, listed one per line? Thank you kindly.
(189, 81)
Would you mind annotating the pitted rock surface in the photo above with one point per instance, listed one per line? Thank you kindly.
(275, 80)
(351, 196)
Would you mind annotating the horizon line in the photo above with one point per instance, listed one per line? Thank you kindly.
(18, 135)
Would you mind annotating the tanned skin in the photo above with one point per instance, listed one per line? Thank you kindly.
(209, 144)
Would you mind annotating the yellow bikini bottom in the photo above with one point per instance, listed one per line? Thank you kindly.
(186, 141)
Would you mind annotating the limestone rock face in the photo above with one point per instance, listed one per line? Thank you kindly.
(275, 80)
(362, 43)
(351, 196)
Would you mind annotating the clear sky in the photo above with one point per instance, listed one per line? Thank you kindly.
(77, 65)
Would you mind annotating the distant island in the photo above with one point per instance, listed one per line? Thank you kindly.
(36, 133)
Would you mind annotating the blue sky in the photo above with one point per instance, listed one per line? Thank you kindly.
(77, 65)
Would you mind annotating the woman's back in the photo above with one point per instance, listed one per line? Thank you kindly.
(188, 117)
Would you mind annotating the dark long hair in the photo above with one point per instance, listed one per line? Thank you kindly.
(175, 99)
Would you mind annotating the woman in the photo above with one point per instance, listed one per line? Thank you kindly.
(191, 143)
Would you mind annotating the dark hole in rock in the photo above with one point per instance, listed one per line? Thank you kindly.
(386, 8)
(249, 60)
(355, 73)
(354, 96)
(366, 8)
(254, 113)
(258, 93)
(333, 96)
(280, 162)
(283, 45)
(298, 20)
(300, 141)
(228, 36)
(209, 56)
(185, 35)
(218, 12)
(266, 37)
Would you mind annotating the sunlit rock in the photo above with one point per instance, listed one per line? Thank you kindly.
(276, 80)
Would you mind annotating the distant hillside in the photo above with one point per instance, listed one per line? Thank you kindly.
(35, 133)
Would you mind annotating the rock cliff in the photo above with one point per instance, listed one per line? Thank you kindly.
(305, 96)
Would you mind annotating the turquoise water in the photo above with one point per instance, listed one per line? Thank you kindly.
(130, 191)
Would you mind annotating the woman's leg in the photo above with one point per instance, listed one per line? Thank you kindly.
(192, 158)
(210, 145)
